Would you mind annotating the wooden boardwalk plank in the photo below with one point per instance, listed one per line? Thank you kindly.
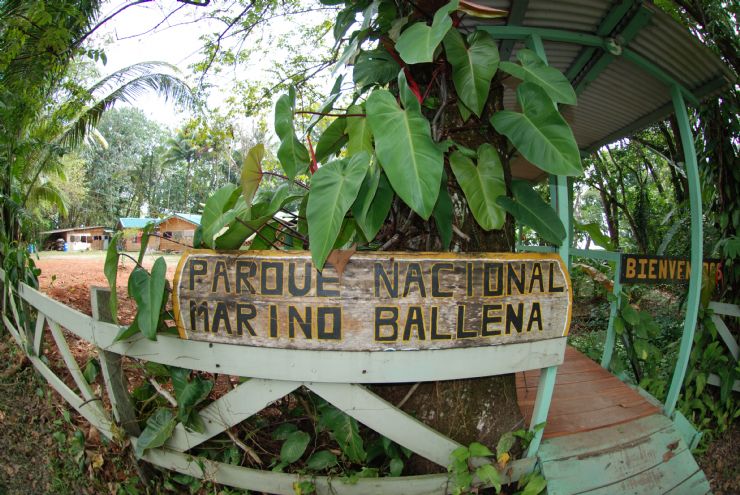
(586, 397)
(602, 468)
(697, 483)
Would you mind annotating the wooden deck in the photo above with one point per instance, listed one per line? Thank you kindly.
(602, 437)
(587, 397)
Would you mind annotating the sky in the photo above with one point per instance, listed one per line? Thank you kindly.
(141, 34)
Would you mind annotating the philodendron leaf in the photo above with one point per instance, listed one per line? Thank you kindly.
(540, 133)
(346, 432)
(252, 172)
(292, 154)
(417, 43)
(158, 429)
(373, 202)
(110, 269)
(323, 459)
(327, 105)
(534, 70)
(331, 140)
(593, 229)
(473, 67)
(148, 292)
(482, 185)
(374, 67)
(334, 188)
(529, 208)
(294, 446)
(404, 146)
(358, 131)
(443, 214)
(218, 211)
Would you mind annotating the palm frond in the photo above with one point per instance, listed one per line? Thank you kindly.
(48, 192)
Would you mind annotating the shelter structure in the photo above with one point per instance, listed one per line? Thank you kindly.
(132, 228)
(177, 231)
(77, 238)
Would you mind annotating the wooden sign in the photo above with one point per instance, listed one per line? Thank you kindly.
(645, 269)
(381, 301)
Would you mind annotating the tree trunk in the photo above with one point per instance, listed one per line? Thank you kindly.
(478, 409)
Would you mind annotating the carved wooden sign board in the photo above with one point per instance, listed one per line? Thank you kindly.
(381, 300)
(646, 269)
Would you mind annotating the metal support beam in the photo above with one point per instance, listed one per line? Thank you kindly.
(640, 20)
(611, 336)
(608, 24)
(516, 16)
(692, 301)
(541, 406)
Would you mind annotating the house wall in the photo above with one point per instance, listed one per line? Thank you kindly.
(178, 230)
(85, 239)
(133, 242)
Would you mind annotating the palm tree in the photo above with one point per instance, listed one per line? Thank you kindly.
(181, 148)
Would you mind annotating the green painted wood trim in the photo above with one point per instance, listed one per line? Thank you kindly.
(516, 15)
(659, 74)
(522, 33)
(725, 308)
(690, 435)
(692, 301)
(640, 20)
(536, 249)
(542, 402)
(611, 336)
(595, 254)
(608, 23)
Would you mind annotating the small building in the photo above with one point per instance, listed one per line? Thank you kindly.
(77, 238)
(133, 228)
(177, 230)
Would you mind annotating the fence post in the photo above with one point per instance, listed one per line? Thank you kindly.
(114, 378)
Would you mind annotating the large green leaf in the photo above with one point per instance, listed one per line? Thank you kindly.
(252, 172)
(191, 393)
(146, 232)
(374, 67)
(158, 429)
(593, 229)
(294, 446)
(482, 185)
(417, 43)
(334, 188)
(321, 460)
(252, 219)
(443, 214)
(405, 148)
(534, 70)
(358, 131)
(540, 133)
(293, 156)
(529, 209)
(346, 432)
(472, 68)
(216, 211)
(331, 140)
(110, 270)
(373, 202)
(284, 108)
(148, 290)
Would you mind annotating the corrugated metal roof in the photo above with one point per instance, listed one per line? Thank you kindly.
(623, 97)
(135, 222)
(188, 217)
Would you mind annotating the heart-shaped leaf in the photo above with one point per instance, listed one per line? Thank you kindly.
(540, 133)
(158, 429)
(404, 146)
(294, 446)
(374, 67)
(534, 70)
(252, 172)
(482, 185)
(293, 156)
(323, 459)
(346, 432)
(472, 68)
(218, 211)
(443, 214)
(149, 295)
(373, 202)
(332, 140)
(417, 44)
(334, 188)
(358, 131)
(110, 270)
(529, 209)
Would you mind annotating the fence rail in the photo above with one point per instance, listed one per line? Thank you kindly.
(336, 376)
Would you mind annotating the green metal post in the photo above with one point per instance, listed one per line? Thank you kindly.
(692, 302)
(606, 357)
(542, 406)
